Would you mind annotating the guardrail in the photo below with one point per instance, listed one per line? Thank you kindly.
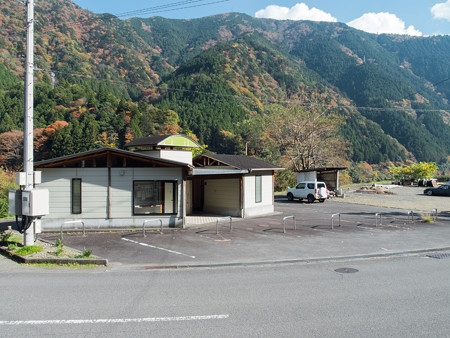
(149, 221)
(284, 223)
(332, 220)
(71, 222)
(223, 218)
(377, 218)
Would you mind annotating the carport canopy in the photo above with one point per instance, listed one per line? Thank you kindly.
(329, 175)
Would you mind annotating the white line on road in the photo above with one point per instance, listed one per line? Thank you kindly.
(113, 321)
(156, 247)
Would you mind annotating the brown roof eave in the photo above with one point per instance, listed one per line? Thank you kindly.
(92, 154)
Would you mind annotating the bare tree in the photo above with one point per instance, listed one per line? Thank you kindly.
(308, 138)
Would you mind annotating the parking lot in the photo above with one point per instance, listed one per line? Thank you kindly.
(263, 240)
(403, 197)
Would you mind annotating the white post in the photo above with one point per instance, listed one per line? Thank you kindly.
(28, 164)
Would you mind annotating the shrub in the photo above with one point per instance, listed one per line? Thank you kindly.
(7, 182)
(4, 207)
(59, 247)
(12, 246)
(5, 236)
(87, 253)
(10, 237)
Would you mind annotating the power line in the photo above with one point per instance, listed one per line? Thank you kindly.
(151, 10)
(245, 98)
(438, 83)
(165, 7)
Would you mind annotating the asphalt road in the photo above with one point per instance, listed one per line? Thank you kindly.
(399, 297)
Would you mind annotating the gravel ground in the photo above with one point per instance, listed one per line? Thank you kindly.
(411, 198)
(48, 250)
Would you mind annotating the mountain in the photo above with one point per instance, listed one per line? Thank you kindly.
(70, 40)
(252, 69)
(215, 73)
(358, 65)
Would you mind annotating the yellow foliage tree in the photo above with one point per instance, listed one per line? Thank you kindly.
(413, 172)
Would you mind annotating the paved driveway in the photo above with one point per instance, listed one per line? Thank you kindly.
(262, 240)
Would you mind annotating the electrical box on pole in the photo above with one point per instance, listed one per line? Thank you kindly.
(15, 202)
(35, 202)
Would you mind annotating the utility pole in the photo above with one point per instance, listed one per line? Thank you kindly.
(28, 160)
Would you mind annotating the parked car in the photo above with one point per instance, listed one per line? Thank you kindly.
(308, 190)
(443, 190)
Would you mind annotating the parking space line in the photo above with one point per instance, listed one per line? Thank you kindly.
(113, 321)
(156, 247)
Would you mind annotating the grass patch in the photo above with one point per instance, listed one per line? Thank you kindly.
(28, 250)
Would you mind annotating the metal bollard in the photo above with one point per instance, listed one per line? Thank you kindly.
(284, 223)
(411, 216)
(332, 220)
(151, 220)
(71, 222)
(377, 217)
(434, 214)
(217, 223)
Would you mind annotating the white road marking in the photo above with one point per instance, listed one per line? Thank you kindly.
(113, 321)
(156, 247)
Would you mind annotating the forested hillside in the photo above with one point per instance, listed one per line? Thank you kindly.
(116, 80)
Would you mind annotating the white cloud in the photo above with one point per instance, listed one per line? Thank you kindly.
(441, 10)
(383, 23)
(299, 11)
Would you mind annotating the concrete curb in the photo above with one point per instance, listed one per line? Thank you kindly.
(58, 261)
(280, 262)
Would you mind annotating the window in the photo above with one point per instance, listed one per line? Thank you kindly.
(76, 196)
(258, 189)
(154, 197)
(301, 186)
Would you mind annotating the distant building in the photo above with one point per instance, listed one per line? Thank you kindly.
(329, 175)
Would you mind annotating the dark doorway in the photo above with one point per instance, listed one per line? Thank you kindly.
(198, 195)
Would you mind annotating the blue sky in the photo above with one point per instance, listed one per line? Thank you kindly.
(413, 17)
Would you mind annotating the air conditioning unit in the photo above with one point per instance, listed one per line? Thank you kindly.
(35, 202)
